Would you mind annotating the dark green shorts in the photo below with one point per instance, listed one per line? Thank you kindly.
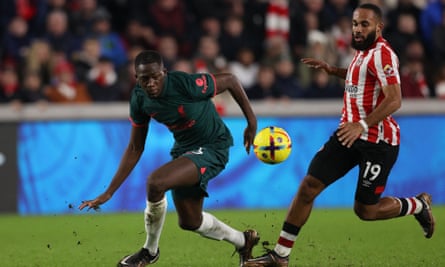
(209, 162)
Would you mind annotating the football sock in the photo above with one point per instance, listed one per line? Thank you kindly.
(288, 235)
(213, 228)
(409, 205)
(154, 216)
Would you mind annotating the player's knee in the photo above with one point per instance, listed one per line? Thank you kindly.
(155, 186)
(364, 213)
(309, 189)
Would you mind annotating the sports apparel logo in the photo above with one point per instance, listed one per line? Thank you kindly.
(196, 152)
(199, 82)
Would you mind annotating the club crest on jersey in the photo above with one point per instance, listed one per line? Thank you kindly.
(359, 61)
(388, 70)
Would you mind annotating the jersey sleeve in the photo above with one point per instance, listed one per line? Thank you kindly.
(137, 117)
(202, 86)
(386, 67)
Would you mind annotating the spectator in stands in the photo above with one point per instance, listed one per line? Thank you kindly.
(412, 71)
(111, 44)
(170, 17)
(102, 82)
(32, 90)
(65, 88)
(58, 34)
(438, 41)
(83, 17)
(406, 31)
(136, 34)
(245, 67)
(16, 40)
(86, 58)
(234, 36)
(323, 86)
(9, 84)
(208, 57)
(211, 26)
(168, 47)
(340, 36)
(286, 80)
(402, 7)
(183, 65)
(265, 87)
(439, 83)
(430, 17)
(39, 59)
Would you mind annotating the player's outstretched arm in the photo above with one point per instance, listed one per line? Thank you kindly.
(228, 81)
(129, 160)
(319, 64)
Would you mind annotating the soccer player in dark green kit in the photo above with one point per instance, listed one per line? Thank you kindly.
(182, 102)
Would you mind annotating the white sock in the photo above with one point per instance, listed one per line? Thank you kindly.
(213, 228)
(154, 216)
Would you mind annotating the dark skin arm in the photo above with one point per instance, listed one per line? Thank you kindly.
(228, 82)
(128, 161)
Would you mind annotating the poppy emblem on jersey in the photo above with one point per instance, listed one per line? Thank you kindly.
(388, 70)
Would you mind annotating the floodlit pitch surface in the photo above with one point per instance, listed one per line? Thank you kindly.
(332, 237)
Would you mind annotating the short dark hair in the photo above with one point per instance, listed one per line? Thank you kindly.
(147, 57)
(377, 11)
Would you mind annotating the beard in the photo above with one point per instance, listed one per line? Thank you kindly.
(366, 43)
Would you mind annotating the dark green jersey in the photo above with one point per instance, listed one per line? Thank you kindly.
(186, 108)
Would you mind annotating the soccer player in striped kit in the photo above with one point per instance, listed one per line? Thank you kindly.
(367, 136)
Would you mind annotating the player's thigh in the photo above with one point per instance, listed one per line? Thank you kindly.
(209, 163)
(376, 163)
(178, 172)
(332, 161)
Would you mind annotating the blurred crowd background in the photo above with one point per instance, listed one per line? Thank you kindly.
(80, 51)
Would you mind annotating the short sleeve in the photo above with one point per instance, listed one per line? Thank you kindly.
(137, 117)
(202, 86)
(386, 67)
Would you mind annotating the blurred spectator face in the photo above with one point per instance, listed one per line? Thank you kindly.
(18, 27)
(314, 5)
(320, 77)
(246, 56)
(211, 26)
(42, 50)
(88, 6)
(57, 22)
(167, 5)
(266, 77)
(102, 26)
(32, 81)
(9, 77)
(414, 50)
(234, 26)
(311, 20)
(183, 65)
(168, 47)
(64, 73)
(92, 48)
(57, 3)
(406, 23)
(208, 47)
(285, 68)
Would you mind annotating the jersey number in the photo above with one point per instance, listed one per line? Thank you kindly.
(373, 170)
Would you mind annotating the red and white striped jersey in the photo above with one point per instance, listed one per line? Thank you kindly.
(369, 71)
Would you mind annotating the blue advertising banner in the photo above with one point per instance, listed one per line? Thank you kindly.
(61, 163)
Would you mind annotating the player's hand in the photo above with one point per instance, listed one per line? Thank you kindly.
(249, 135)
(317, 64)
(349, 132)
(95, 203)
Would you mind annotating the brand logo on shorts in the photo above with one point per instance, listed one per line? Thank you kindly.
(196, 152)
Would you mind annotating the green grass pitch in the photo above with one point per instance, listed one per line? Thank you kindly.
(332, 237)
